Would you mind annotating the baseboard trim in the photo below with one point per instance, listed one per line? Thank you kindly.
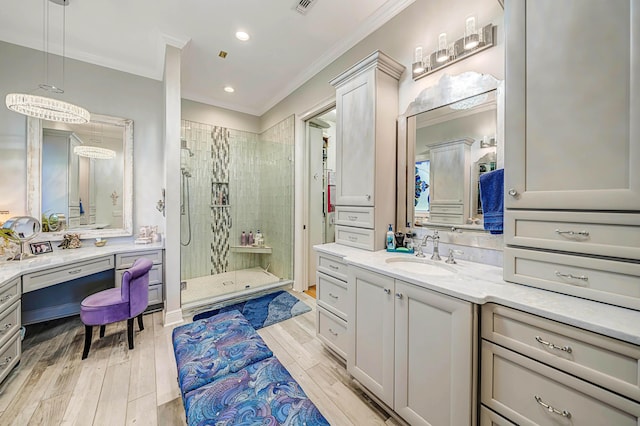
(172, 318)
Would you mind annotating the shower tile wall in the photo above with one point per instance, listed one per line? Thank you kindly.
(276, 196)
(240, 181)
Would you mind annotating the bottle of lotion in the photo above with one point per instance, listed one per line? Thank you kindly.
(391, 240)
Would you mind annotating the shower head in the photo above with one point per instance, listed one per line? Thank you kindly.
(183, 145)
(185, 172)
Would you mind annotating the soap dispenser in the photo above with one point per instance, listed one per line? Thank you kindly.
(391, 240)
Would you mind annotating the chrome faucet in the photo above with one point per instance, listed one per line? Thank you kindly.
(436, 240)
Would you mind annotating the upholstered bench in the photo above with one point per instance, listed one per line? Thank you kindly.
(227, 376)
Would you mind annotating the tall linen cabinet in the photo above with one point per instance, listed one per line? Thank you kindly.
(572, 148)
(367, 108)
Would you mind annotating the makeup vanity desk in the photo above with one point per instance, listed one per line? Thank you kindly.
(52, 285)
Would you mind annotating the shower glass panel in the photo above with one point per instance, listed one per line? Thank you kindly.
(234, 182)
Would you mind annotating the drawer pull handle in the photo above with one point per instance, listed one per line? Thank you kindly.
(566, 349)
(352, 238)
(5, 298)
(388, 291)
(368, 197)
(574, 277)
(573, 233)
(398, 296)
(563, 413)
(334, 267)
(75, 271)
(333, 295)
(6, 361)
(333, 332)
(352, 218)
(6, 327)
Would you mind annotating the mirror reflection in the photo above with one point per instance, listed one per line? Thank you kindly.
(454, 145)
(84, 177)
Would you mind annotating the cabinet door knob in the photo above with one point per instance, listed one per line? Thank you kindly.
(368, 197)
(398, 295)
(388, 291)
(513, 192)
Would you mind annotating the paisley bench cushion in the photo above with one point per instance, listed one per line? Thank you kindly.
(210, 348)
(263, 393)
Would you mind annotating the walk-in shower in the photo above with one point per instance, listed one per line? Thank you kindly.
(234, 182)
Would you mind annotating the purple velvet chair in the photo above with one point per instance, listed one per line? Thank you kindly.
(118, 304)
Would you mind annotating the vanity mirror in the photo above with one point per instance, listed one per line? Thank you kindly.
(448, 137)
(79, 176)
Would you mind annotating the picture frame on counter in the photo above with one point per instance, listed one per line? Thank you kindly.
(41, 247)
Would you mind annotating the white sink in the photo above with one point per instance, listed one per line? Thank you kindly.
(422, 266)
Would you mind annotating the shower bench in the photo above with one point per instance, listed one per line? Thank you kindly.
(227, 373)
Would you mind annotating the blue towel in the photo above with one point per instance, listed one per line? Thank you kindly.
(492, 197)
(81, 208)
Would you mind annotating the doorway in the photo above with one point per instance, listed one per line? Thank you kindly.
(321, 151)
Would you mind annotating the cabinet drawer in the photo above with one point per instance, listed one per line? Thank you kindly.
(489, 418)
(155, 275)
(126, 260)
(9, 293)
(332, 265)
(446, 209)
(602, 360)
(609, 281)
(332, 294)
(51, 276)
(530, 393)
(355, 237)
(9, 355)
(332, 331)
(449, 219)
(155, 294)
(361, 217)
(9, 322)
(606, 234)
(74, 212)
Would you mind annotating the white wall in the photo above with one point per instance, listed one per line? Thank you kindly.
(208, 114)
(100, 90)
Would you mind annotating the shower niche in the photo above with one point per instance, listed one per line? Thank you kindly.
(220, 195)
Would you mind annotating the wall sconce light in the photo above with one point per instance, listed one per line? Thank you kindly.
(418, 61)
(474, 40)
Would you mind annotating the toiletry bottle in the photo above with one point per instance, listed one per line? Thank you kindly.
(250, 239)
(391, 239)
(259, 239)
(243, 239)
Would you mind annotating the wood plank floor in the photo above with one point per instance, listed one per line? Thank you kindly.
(115, 386)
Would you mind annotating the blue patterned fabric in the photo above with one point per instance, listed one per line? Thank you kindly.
(263, 393)
(264, 310)
(210, 348)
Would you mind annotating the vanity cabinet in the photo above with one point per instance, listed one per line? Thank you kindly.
(572, 376)
(10, 322)
(125, 261)
(332, 306)
(366, 108)
(572, 181)
(412, 348)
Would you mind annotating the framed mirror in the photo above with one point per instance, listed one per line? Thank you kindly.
(449, 135)
(80, 176)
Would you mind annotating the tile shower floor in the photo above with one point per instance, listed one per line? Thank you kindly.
(211, 289)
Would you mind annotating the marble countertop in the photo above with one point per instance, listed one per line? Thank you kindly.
(59, 257)
(480, 284)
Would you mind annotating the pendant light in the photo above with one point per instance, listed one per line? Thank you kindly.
(43, 107)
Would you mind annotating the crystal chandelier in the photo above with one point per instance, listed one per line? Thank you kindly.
(43, 107)
(94, 152)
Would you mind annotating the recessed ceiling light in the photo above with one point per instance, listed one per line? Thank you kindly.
(242, 36)
(229, 89)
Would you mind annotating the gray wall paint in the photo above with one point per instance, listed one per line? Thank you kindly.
(203, 113)
(100, 90)
(419, 24)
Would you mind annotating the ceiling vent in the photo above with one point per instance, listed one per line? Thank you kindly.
(304, 5)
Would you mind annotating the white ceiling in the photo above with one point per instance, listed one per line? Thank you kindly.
(285, 49)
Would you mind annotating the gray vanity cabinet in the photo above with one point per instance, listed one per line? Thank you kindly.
(366, 108)
(10, 322)
(572, 148)
(412, 348)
